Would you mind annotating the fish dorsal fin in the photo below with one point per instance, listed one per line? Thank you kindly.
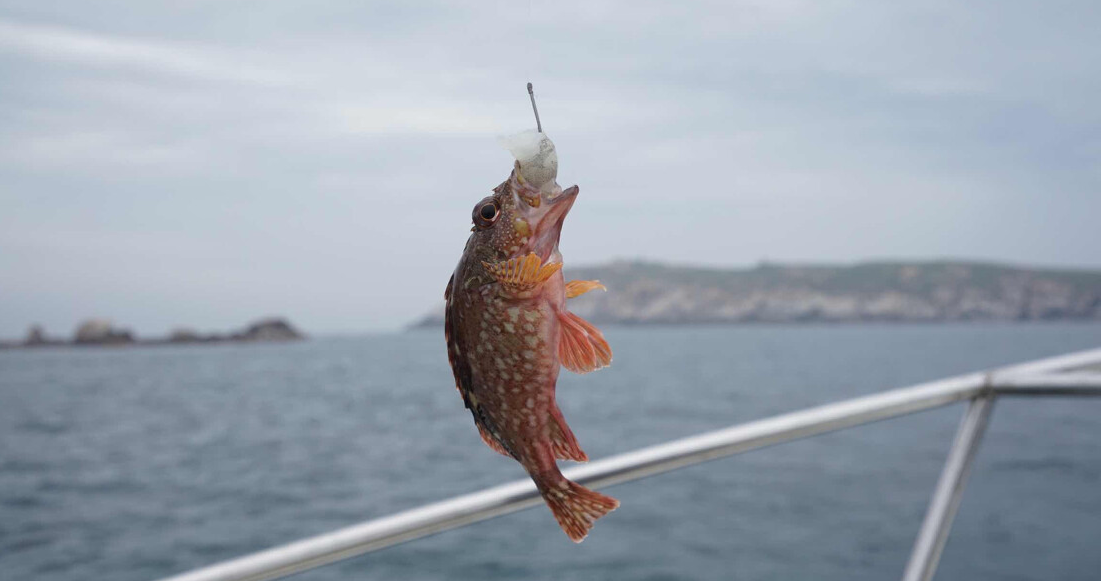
(492, 442)
(576, 288)
(581, 346)
(522, 273)
(563, 442)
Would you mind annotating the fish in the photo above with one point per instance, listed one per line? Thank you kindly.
(508, 333)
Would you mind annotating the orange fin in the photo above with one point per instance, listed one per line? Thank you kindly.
(581, 346)
(575, 507)
(576, 288)
(522, 273)
(492, 442)
(563, 442)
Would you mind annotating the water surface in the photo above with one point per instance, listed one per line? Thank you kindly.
(131, 464)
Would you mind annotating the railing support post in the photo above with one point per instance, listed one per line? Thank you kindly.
(949, 491)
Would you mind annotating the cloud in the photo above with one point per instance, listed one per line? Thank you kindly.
(431, 119)
(95, 149)
(83, 48)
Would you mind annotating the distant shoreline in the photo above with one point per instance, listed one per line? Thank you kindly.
(646, 293)
(430, 325)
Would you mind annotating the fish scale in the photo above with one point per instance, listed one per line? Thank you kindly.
(509, 332)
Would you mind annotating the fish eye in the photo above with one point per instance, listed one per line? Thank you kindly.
(486, 213)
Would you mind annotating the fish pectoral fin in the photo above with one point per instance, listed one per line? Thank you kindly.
(522, 273)
(581, 346)
(492, 442)
(563, 442)
(576, 288)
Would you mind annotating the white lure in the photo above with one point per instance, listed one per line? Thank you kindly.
(537, 157)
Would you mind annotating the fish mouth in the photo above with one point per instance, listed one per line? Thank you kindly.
(548, 229)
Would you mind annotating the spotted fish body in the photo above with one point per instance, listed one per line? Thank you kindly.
(508, 332)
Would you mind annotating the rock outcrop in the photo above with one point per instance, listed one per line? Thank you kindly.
(101, 332)
(36, 335)
(269, 330)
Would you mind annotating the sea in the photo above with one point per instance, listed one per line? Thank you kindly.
(132, 464)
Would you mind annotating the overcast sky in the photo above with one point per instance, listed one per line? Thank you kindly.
(204, 163)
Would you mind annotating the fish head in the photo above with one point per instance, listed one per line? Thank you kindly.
(519, 219)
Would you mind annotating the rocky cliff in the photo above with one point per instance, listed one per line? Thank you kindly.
(644, 293)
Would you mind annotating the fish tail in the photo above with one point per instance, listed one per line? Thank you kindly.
(575, 507)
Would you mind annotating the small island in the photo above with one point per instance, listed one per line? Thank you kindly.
(102, 332)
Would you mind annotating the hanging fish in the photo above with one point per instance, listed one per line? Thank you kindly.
(508, 330)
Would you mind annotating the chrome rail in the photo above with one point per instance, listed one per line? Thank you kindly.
(1043, 377)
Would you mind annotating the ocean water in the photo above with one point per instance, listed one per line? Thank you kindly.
(130, 464)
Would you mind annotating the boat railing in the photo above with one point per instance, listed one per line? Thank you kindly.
(1076, 374)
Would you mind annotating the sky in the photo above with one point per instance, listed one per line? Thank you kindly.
(204, 163)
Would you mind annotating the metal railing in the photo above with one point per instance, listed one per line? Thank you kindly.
(1067, 375)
